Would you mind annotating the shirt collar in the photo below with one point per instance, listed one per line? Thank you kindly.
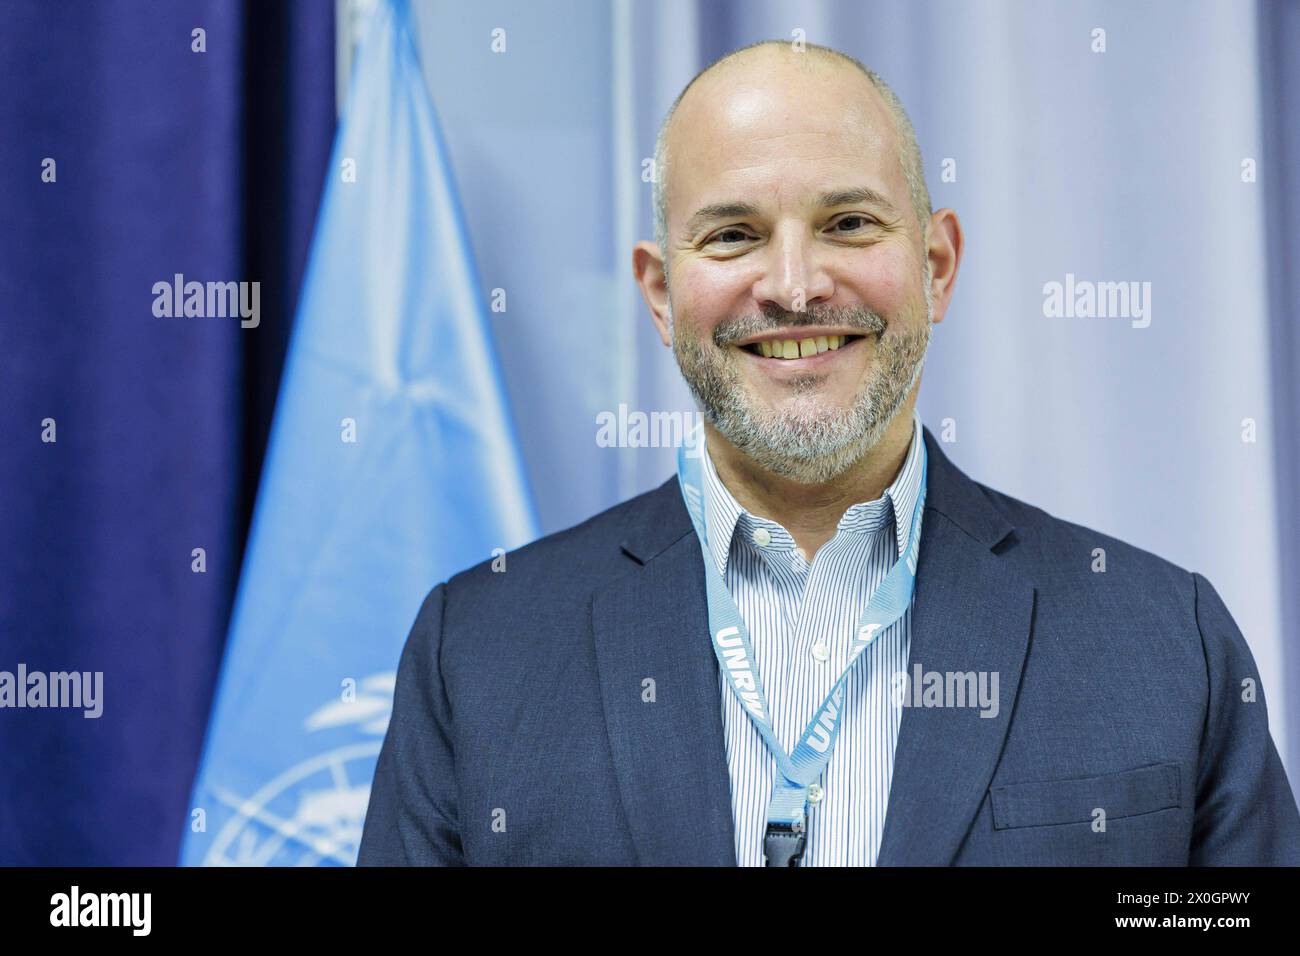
(723, 515)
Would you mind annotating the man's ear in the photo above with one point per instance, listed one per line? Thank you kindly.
(943, 246)
(648, 268)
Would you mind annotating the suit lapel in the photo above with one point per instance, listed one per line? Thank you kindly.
(651, 624)
(971, 613)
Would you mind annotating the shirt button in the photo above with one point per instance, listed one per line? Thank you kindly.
(762, 537)
(820, 652)
(815, 793)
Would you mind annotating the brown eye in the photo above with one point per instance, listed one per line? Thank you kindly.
(729, 232)
(854, 221)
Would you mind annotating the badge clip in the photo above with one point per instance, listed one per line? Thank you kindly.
(783, 844)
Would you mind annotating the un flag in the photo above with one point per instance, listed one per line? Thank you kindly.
(392, 465)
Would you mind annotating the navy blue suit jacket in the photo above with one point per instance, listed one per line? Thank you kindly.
(521, 732)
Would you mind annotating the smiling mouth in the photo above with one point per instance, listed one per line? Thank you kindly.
(799, 348)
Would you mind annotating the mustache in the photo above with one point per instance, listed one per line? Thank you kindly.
(775, 319)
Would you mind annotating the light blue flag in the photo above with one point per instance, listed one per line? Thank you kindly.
(391, 466)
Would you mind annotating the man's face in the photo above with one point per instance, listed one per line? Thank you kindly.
(762, 252)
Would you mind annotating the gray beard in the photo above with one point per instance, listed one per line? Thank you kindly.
(807, 442)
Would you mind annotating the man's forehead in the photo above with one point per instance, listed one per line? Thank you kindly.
(766, 108)
(764, 120)
(768, 90)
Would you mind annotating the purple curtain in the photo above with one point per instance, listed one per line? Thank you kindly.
(165, 160)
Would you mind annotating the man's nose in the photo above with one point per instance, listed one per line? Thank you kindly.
(794, 273)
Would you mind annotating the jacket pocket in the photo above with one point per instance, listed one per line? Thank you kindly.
(1126, 793)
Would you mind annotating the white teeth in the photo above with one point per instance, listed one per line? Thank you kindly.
(821, 343)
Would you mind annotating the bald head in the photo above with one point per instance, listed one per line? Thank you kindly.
(814, 75)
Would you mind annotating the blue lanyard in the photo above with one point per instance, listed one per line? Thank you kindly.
(798, 770)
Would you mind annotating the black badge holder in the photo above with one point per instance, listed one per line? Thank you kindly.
(783, 844)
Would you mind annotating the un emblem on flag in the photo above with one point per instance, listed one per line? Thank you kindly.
(312, 813)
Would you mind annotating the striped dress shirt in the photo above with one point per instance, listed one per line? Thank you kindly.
(802, 619)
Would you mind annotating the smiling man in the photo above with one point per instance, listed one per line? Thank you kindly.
(820, 643)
